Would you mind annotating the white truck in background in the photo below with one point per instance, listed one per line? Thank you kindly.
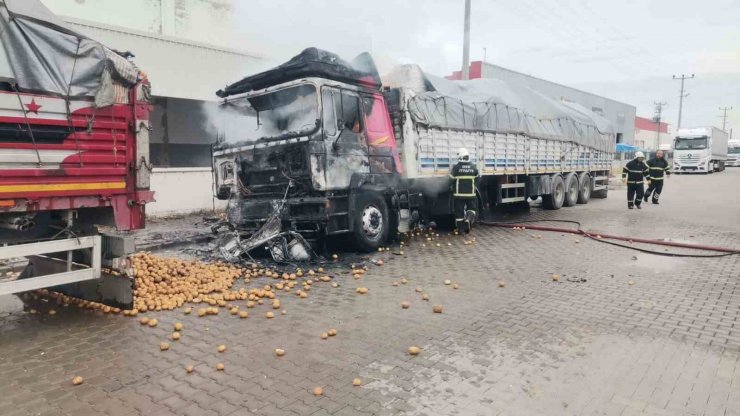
(733, 153)
(700, 149)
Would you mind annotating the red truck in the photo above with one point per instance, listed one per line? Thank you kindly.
(74, 158)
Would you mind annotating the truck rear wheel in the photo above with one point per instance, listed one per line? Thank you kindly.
(584, 189)
(371, 222)
(554, 200)
(571, 190)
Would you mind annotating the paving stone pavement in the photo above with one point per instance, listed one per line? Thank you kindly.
(588, 344)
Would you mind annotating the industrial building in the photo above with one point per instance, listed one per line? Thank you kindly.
(621, 115)
(649, 135)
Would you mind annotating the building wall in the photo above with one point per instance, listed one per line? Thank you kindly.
(180, 191)
(207, 21)
(646, 135)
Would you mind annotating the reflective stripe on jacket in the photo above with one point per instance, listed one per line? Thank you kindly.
(658, 167)
(635, 171)
(463, 175)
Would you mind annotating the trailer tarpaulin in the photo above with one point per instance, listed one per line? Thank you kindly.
(46, 56)
(493, 105)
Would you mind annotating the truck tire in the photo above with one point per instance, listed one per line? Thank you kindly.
(571, 190)
(584, 189)
(371, 222)
(554, 200)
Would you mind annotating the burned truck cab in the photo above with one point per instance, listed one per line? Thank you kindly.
(318, 146)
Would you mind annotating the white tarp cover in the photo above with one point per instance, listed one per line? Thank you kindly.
(48, 57)
(495, 106)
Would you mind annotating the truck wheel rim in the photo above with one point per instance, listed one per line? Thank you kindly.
(586, 190)
(573, 191)
(559, 193)
(372, 222)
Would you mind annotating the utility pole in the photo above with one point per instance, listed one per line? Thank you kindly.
(724, 116)
(656, 119)
(681, 96)
(466, 43)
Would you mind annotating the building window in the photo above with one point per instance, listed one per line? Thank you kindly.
(619, 137)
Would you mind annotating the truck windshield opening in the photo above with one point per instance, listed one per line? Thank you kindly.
(683, 143)
(292, 111)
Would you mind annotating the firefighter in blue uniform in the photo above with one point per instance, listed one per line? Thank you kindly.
(659, 170)
(463, 175)
(634, 174)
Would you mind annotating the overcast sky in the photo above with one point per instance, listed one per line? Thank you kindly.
(627, 50)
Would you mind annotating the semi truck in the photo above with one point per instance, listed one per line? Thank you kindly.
(348, 153)
(700, 150)
(733, 153)
(74, 158)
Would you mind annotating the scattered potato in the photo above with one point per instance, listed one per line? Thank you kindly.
(279, 352)
(437, 308)
(221, 348)
(77, 380)
(189, 369)
(414, 350)
(318, 391)
(164, 346)
(357, 382)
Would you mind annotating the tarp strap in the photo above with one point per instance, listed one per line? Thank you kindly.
(28, 124)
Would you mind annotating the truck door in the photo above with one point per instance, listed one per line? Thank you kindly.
(346, 145)
(382, 149)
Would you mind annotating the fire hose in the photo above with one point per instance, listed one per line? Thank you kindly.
(604, 238)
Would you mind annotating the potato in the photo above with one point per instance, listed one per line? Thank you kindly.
(437, 308)
(178, 326)
(318, 391)
(175, 336)
(414, 350)
(357, 382)
(189, 369)
(405, 305)
(243, 314)
(77, 380)
(164, 346)
(332, 332)
(279, 352)
(220, 367)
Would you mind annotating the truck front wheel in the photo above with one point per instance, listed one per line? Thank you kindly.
(371, 222)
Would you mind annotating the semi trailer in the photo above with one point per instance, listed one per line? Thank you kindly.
(700, 150)
(74, 158)
(339, 151)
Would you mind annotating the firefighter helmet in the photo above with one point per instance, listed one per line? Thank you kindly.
(463, 155)
(640, 154)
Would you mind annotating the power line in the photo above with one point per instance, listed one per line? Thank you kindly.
(724, 116)
(681, 96)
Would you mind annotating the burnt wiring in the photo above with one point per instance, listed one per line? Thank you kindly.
(595, 237)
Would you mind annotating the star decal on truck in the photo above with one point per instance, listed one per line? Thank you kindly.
(33, 107)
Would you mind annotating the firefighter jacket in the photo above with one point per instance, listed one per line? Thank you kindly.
(463, 175)
(657, 168)
(635, 171)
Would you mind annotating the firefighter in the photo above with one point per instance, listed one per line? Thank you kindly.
(634, 174)
(463, 176)
(659, 170)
